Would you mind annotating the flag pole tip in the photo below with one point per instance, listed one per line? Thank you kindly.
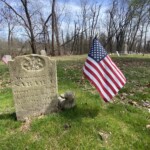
(96, 36)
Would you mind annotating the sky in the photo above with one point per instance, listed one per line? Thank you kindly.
(72, 6)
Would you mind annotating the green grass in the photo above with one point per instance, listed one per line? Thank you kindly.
(125, 123)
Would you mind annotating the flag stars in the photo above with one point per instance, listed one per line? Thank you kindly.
(97, 51)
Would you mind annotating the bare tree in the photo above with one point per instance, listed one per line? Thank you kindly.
(9, 19)
(84, 19)
(145, 37)
(26, 21)
(139, 16)
(55, 32)
(44, 34)
(126, 21)
(111, 28)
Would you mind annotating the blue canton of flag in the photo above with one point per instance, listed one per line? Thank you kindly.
(97, 51)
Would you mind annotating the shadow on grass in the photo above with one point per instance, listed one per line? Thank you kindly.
(77, 113)
(11, 116)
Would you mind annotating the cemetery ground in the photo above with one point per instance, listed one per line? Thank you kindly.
(92, 124)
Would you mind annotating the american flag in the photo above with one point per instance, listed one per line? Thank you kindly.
(102, 72)
(6, 58)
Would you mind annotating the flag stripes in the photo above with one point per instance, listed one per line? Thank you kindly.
(107, 75)
(117, 68)
(112, 73)
(4, 59)
(114, 70)
(104, 76)
(108, 78)
(101, 76)
(95, 83)
(104, 86)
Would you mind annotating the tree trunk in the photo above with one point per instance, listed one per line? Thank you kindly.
(32, 37)
(53, 27)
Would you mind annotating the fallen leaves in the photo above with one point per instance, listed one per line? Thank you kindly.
(145, 104)
(133, 103)
(26, 125)
(148, 85)
(66, 126)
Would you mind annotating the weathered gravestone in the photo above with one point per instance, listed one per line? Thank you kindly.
(125, 49)
(43, 52)
(34, 85)
(117, 53)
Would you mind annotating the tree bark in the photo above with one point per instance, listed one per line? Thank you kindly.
(53, 27)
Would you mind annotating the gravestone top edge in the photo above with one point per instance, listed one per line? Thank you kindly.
(43, 56)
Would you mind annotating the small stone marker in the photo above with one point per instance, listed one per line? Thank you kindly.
(104, 136)
(34, 85)
(6, 58)
(117, 53)
(43, 52)
(125, 49)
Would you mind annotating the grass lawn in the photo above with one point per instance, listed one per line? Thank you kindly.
(123, 122)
